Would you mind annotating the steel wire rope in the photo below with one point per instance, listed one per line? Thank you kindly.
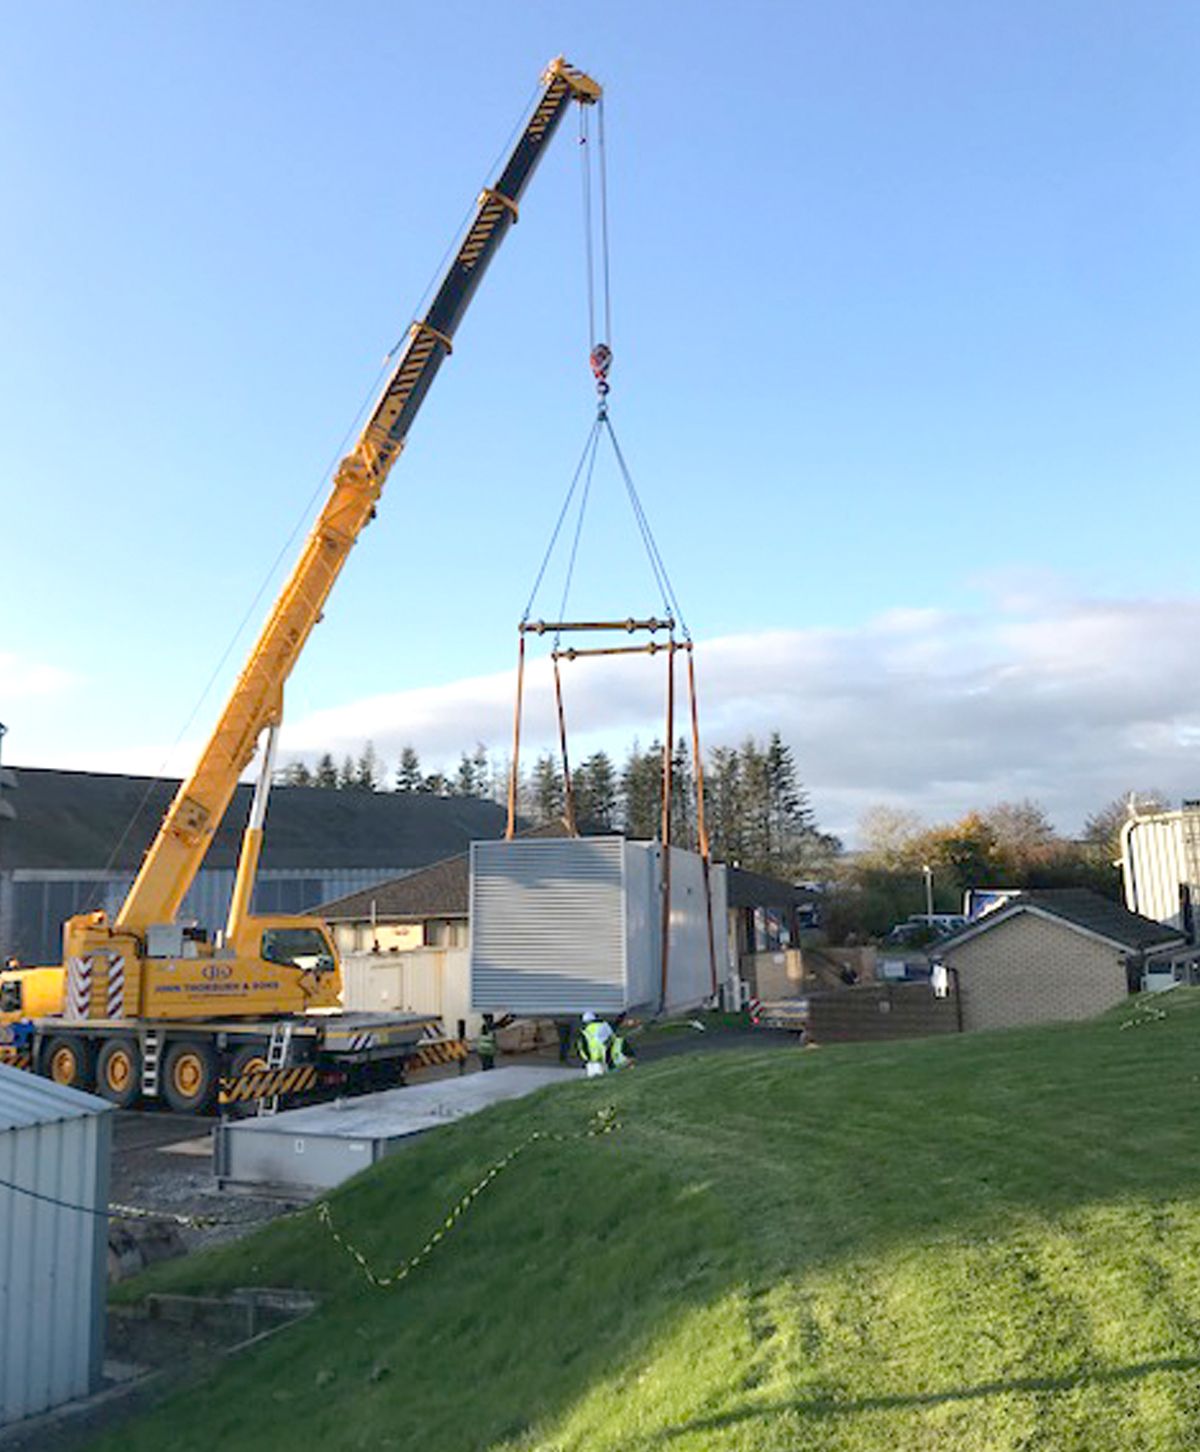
(603, 169)
(583, 501)
(585, 174)
(562, 514)
(670, 599)
(81, 894)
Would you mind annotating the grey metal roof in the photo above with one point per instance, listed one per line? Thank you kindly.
(27, 1099)
(437, 891)
(752, 889)
(76, 819)
(1081, 908)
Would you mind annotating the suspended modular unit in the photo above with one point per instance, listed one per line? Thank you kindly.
(559, 926)
(55, 1145)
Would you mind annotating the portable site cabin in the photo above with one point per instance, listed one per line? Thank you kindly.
(55, 1146)
(559, 926)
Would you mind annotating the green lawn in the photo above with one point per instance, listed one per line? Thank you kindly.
(987, 1242)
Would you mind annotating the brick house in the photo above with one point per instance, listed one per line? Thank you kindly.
(1051, 955)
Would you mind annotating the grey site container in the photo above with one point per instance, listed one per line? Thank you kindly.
(563, 925)
(55, 1143)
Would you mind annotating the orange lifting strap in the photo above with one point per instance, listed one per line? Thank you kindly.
(653, 647)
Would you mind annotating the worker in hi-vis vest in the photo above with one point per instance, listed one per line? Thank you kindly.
(593, 1044)
(620, 1050)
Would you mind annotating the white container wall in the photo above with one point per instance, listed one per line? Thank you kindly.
(56, 1143)
(1154, 865)
(562, 925)
(422, 980)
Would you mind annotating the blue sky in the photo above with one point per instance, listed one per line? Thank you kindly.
(906, 301)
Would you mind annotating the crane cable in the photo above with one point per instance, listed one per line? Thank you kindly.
(595, 236)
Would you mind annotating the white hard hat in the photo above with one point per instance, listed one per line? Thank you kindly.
(589, 1017)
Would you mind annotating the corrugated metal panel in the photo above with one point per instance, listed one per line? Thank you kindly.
(563, 925)
(52, 1257)
(27, 1100)
(1153, 865)
(547, 926)
(42, 899)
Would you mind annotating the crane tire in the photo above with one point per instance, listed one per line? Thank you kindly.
(189, 1076)
(119, 1072)
(249, 1059)
(67, 1060)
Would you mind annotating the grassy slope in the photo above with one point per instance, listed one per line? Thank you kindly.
(980, 1243)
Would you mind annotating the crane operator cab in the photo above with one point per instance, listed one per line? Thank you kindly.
(305, 948)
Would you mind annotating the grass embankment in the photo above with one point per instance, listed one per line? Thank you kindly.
(967, 1243)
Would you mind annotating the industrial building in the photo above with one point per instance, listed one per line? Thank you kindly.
(55, 1145)
(75, 840)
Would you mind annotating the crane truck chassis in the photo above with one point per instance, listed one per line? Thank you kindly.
(226, 1062)
(144, 1005)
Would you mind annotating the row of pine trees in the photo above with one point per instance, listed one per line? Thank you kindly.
(756, 810)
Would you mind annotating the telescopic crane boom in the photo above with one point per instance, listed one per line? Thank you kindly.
(256, 703)
(146, 1002)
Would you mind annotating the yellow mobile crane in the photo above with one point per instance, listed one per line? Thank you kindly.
(150, 1007)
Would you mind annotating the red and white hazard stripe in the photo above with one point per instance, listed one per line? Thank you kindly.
(755, 1007)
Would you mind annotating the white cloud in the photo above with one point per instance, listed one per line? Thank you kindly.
(20, 678)
(1066, 701)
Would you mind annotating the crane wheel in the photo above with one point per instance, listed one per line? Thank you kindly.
(189, 1079)
(119, 1072)
(249, 1059)
(67, 1060)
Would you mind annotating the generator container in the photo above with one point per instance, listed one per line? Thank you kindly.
(563, 925)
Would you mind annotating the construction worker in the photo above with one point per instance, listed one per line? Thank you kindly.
(620, 1051)
(485, 1044)
(594, 1039)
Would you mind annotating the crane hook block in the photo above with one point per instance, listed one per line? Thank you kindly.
(601, 361)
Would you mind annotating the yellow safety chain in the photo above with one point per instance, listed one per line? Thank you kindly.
(193, 1222)
(1145, 1015)
(603, 1122)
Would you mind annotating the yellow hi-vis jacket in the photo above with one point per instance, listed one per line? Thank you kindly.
(593, 1043)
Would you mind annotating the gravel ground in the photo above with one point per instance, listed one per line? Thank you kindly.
(151, 1171)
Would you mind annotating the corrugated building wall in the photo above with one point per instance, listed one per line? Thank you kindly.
(56, 1143)
(39, 901)
(1159, 858)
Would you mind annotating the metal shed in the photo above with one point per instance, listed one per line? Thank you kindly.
(560, 926)
(55, 1145)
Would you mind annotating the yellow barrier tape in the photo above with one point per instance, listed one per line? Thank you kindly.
(604, 1122)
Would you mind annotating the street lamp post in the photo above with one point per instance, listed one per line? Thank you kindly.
(928, 871)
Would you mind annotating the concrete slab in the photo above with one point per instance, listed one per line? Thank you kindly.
(318, 1146)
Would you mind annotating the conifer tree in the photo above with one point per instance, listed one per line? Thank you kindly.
(408, 772)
